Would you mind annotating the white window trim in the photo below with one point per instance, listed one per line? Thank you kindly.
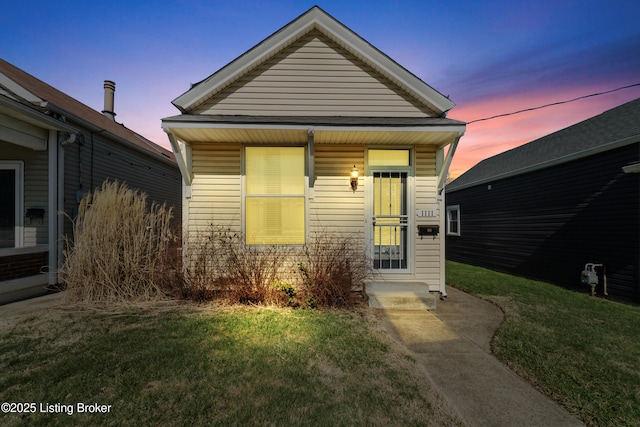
(18, 167)
(244, 194)
(449, 210)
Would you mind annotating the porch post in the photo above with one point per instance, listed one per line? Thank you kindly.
(311, 162)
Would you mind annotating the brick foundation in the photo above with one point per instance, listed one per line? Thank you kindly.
(25, 265)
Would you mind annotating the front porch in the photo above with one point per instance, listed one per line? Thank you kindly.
(23, 272)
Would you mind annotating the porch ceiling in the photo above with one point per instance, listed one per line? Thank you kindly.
(327, 130)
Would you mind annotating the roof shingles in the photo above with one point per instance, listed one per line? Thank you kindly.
(75, 108)
(616, 125)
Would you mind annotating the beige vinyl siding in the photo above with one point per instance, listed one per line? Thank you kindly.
(335, 207)
(427, 249)
(36, 195)
(314, 76)
(216, 188)
(35, 187)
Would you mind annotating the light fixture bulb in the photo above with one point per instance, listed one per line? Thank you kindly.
(354, 178)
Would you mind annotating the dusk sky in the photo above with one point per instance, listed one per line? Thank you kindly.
(489, 57)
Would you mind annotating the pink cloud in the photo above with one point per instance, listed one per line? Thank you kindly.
(484, 139)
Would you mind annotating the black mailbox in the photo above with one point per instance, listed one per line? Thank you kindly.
(35, 213)
(428, 230)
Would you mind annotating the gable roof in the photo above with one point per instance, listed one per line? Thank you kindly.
(611, 129)
(33, 93)
(318, 20)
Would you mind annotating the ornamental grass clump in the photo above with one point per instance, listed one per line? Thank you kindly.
(120, 248)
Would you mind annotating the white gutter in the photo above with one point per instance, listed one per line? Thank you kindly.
(32, 116)
(95, 128)
(168, 125)
(18, 90)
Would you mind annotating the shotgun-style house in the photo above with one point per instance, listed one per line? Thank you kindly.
(547, 208)
(53, 150)
(316, 129)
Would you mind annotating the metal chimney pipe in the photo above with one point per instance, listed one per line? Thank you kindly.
(109, 89)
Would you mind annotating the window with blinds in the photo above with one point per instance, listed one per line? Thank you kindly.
(274, 195)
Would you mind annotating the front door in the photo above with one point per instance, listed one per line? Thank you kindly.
(390, 221)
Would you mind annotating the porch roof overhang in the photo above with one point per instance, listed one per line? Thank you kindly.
(17, 113)
(326, 130)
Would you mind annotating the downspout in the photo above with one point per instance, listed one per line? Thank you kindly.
(442, 179)
(61, 156)
(56, 203)
(60, 208)
(52, 203)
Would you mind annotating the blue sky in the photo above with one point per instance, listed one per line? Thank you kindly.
(490, 57)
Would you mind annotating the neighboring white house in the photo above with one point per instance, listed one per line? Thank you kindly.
(53, 150)
(267, 146)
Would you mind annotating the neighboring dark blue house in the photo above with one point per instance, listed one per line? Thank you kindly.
(545, 209)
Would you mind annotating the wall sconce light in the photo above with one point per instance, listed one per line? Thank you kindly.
(354, 178)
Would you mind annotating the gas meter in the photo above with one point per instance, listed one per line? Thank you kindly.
(590, 277)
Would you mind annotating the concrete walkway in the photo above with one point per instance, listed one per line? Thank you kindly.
(452, 342)
(31, 305)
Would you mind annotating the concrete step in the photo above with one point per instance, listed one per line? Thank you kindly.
(400, 295)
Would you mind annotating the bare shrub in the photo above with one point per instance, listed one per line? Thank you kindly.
(332, 269)
(219, 263)
(201, 266)
(326, 272)
(120, 248)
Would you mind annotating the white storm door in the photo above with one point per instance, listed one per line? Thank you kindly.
(390, 221)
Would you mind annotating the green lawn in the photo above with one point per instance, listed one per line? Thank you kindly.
(583, 352)
(177, 365)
